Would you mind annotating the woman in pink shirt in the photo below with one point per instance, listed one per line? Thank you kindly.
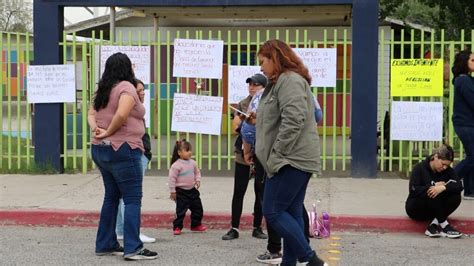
(117, 149)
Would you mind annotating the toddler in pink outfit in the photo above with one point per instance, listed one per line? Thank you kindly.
(184, 182)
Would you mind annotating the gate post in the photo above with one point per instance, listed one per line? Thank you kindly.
(364, 88)
(48, 134)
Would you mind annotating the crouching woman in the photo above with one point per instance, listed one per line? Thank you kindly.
(435, 193)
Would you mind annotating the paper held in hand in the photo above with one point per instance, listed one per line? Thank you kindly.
(237, 110)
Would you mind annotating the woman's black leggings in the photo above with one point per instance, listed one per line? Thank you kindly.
(241, 181)
(424, 208)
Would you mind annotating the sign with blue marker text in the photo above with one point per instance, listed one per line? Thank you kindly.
(51, 84)
(237, 87)
(416, 121)
(139, 55)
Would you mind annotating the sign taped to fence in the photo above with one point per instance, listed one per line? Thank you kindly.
(198, 58)
(416, 77)
(197, 113)
(237, 87)
(51, 84)
(416, 121)
(139, 55)
(321, 63)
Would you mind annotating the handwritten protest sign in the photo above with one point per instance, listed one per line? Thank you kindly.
(139, 55)
(198, 58)
(321, 63)
(416, 77)
(51, 84)
(416, 121)
(197, 113)
(238, 88)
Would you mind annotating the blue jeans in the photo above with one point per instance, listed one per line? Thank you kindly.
(283, 208)
(123, 177)
(465, 168)
(121, 207)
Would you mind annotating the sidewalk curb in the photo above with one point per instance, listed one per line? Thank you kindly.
(74, 218)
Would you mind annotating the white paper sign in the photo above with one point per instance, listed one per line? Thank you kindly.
(197, 113)
(321, 63)
(146, 104)
(139, 55)
(416, 121)
(238, 88)
(198, 58)
(51, 84)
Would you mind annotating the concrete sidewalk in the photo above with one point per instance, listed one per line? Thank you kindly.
(75, 200)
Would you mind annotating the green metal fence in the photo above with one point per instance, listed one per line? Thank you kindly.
(413, 44)
(240, 47)
(15, 114)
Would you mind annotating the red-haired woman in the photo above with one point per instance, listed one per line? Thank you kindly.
(287, 145)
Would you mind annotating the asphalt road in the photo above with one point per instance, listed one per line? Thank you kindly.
(75, 246)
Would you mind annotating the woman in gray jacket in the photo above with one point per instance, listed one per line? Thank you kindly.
(287, 145)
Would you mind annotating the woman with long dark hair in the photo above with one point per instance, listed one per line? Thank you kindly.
(463, 116)
(287, 145)
(117, 149)
(435, 193)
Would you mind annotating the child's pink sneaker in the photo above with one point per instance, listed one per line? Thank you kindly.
(199, 228)
(176, 231)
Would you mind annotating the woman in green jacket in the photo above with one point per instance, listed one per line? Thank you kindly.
(287, 145)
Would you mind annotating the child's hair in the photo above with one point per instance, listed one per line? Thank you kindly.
(444, 152)
(139, 82)
(180, 145)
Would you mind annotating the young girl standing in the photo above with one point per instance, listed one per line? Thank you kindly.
(184, 182)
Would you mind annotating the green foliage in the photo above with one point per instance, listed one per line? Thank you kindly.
(16, 16)
(451, 15)
(416, 12)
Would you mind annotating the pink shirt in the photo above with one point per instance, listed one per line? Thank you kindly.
(183, 174)
(132, 130)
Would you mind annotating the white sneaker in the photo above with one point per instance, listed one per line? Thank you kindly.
(147, 239)
(143, 238)
(468, 197)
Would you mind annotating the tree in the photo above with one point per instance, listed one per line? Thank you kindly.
(16, 16)
(451, 15)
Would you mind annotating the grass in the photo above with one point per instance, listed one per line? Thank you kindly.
(22, 166)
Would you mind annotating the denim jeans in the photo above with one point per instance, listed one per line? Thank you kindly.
(123, 177)
(465, 168)
(121, 208)
(283, 208)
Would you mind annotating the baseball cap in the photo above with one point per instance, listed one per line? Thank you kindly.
(257, 79)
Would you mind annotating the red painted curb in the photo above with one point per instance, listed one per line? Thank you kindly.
(393, 224)
(73, 218)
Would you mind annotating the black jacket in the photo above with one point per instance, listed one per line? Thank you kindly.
(147, 146)
(422, 177)
(463, 109)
